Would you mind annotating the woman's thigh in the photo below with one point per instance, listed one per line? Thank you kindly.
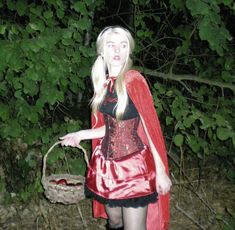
(114, 216)
(135, 218)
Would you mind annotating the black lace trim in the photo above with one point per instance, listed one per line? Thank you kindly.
(131, 202)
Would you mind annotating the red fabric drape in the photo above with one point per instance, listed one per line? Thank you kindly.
(138, 90)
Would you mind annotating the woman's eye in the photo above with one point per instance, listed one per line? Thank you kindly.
(110, 45)
(124, 45)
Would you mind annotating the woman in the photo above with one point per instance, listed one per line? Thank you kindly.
(128, 172)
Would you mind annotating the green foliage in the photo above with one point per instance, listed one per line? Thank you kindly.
(45, 60)
(193, 38)
(32, 190)
(211, 27)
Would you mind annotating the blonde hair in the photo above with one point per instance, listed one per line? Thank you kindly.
(99, 69)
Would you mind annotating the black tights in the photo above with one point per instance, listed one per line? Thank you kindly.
(130, 218)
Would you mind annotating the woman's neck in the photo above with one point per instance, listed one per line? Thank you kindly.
(114, 70)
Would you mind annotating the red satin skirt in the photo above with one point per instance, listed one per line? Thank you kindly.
(128, 177)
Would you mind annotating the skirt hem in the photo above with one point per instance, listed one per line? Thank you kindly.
(129, 202)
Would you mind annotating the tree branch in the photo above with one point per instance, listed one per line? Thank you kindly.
(185, 77)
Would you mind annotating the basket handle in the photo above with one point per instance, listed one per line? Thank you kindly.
(50, 149)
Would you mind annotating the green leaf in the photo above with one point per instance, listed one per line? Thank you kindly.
(84, 23)
(48, 14)
(29, 86)
(227, 2)
(206, 121)
(80, 7)
(36, 10)
(223, 133)
(17, 84)
(77, 166)
(16, 63)
(178, 4)
(169, 120)
(32, 135)
(193, 143)
(12, 129)
(3, 88)
(46, 137)
(18, 94)
(216, 35)
(198, 7)
(55, 155)
(220, 120)
(60, 13)
(11, 5)
(229, 63)
(32, 74)
(33, 45)
(67, 34)
(3, 29)
(37, 26)
(67, 41)
(4, 112)
(21, 7)
(188, 121)
(33, 116)
(178, 140)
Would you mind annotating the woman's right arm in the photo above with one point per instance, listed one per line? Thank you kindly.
(73, 139)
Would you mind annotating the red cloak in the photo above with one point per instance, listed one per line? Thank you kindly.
(138, 90)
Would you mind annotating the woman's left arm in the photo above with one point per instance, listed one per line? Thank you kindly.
(163, 182)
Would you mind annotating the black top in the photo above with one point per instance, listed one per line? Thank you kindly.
(110, 101)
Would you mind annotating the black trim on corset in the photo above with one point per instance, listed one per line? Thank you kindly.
(130, 202)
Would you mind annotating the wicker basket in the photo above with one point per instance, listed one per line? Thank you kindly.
(63, 188)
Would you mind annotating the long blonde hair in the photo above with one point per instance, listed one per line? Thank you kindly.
(99, 69)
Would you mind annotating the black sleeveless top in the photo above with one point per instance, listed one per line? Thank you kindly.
(108, 106)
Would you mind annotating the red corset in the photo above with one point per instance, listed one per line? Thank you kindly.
(121, 138)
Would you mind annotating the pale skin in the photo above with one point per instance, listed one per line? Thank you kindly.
(116, 52)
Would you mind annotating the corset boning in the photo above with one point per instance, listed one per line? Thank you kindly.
(121, 137)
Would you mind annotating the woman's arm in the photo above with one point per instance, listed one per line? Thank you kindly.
(73, 139)
(163, 182)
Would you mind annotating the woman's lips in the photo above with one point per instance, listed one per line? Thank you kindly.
(116, 58)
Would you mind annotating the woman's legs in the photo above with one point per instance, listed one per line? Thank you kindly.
(135, 218)
(114, 216)
(131, 218)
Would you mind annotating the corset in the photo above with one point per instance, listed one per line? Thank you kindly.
(121, 138)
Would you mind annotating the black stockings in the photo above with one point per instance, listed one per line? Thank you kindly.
(130, 218)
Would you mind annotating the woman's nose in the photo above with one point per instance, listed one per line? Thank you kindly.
(116, 49)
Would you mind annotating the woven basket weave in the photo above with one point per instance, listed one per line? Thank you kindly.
(70, 192)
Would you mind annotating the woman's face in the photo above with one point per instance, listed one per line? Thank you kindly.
(116, 49)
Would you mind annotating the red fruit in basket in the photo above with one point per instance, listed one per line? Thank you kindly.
(62, 182)
(53, 181)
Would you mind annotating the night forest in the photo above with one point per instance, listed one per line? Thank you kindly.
(186, 51)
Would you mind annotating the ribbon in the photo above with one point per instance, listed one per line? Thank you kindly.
(110, 81)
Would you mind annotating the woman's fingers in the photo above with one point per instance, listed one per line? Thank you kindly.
(163, 185)
(70, 140)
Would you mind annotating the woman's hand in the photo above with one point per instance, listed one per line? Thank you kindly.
(163, 183)
(71, 139)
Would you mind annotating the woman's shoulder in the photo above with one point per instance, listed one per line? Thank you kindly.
(134, 76)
